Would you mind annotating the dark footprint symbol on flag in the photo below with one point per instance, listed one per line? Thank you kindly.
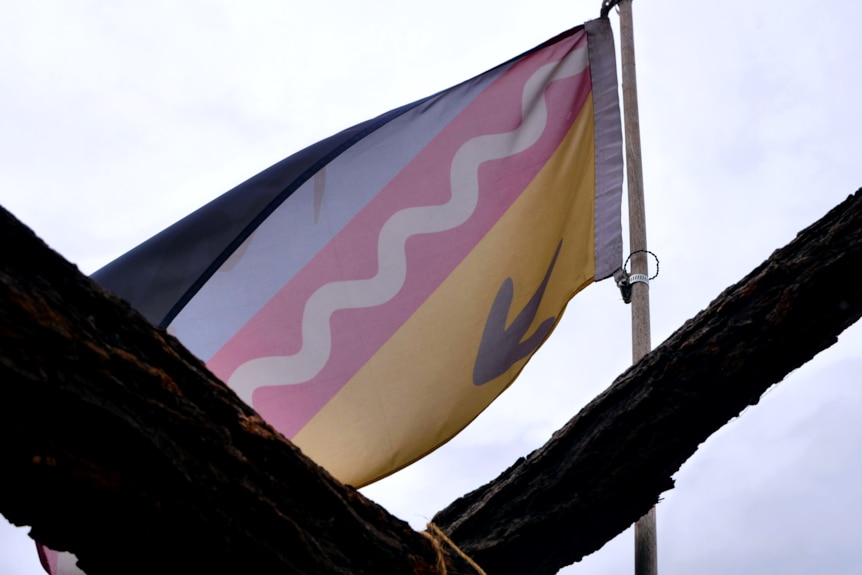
(501, 347)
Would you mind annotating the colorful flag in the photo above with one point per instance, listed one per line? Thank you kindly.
(370, 295)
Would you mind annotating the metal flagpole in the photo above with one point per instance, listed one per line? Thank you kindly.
(646, 551)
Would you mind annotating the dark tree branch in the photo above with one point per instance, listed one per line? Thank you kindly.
(119, 445)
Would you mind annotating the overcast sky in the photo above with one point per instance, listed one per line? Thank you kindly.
(118, 118)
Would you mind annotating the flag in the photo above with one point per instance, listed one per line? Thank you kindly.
(370, 295)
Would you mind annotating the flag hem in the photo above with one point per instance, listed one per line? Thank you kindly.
(608, 148)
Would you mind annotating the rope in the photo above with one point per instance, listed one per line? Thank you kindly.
(436, 536)
(644, 252)
(441, 562)
(606, 7)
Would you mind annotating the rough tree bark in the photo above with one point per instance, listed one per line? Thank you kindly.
(117, 444)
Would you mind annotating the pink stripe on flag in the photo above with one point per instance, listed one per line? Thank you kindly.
(358, 333)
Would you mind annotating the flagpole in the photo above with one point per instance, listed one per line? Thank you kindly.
(646, 548)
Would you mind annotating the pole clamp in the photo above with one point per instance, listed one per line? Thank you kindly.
(635, 278)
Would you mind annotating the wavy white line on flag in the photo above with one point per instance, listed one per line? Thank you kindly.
(347, 294)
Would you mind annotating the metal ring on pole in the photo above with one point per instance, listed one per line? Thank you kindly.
(625, 280)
